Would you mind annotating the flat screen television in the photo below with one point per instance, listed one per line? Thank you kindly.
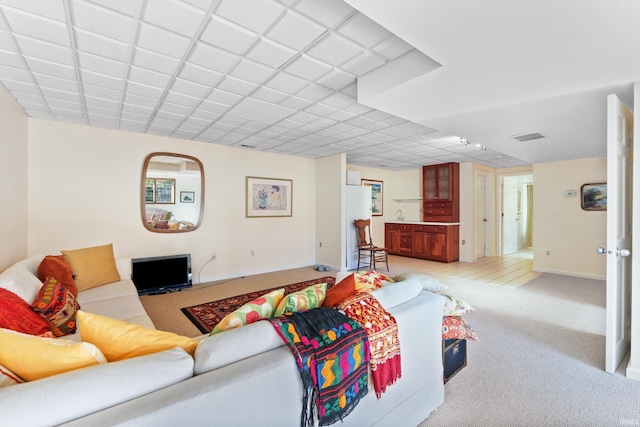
(162, 274)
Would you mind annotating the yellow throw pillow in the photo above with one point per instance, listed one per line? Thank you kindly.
(91, 267)
(32, 357)
(120, 340)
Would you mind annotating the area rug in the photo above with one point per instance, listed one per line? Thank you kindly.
(206, 316)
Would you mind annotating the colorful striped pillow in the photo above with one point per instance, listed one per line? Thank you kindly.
(258, 309)
(304, 300)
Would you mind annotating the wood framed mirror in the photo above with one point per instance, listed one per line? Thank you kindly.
(172, 193)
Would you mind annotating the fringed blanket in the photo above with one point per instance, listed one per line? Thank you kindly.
(332, 353)
(382, 331)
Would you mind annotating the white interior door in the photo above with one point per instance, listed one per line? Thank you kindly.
(481, 216)
(509, 215)
(358, 207)
(619, 205)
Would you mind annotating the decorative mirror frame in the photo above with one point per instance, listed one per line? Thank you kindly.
(143, 203)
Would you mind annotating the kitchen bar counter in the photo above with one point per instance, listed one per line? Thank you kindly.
(415, 221)
(435, 241)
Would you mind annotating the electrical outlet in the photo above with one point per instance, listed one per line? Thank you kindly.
(253, 253)
(548, 253)
(320, 244)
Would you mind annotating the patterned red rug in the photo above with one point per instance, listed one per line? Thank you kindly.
(206, 316)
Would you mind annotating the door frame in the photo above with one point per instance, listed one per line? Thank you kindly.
(519, 171)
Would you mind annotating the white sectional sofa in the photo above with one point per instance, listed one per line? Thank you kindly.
(245, 376)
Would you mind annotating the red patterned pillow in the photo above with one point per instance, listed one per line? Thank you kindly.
(56, 266)
(16, 314)
(57, 305)
(338, 293)
(455, 327)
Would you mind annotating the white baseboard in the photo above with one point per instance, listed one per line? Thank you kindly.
(633, 373)
(569, 273)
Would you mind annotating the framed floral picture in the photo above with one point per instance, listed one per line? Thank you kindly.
(376, 195)
(269, 197)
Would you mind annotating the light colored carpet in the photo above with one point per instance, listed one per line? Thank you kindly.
(539, 360)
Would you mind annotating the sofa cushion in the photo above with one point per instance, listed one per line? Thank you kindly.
(92, 389)
(337, 293)
(260, 308)
(397, 293)
(57, 305)
(8, 378)
(17, 314)
(219, 350)
(121, 288)
(33, 357)
(303, 300)
(56, 266)
(428, 283)
(119, 340)
(21, 281)
(94, 266)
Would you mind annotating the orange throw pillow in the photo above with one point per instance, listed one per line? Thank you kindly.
(56, 266)
(16, 314)
(337, 293)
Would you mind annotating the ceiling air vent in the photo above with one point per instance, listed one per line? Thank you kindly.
(528, 136)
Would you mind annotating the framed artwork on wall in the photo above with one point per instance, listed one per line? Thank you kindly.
(187, 196)
(377, 204)
(593, 197)
(269, 197)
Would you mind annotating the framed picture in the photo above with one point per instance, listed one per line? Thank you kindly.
(593, 197)
(187, 196)
(268, 197)
(376, 195)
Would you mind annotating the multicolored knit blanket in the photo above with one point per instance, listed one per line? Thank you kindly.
(332, 353)
(382, 331)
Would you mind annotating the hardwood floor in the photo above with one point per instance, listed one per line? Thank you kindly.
(509, 271)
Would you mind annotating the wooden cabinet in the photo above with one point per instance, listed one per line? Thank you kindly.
(397, 239)
(435, 242)
(432, 242)
(440, 193)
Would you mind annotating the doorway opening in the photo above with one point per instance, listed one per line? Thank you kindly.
(516, 214)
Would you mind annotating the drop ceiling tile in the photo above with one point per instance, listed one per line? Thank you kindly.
(47, 51)
(137, 103)
(167, 124)
(184, 134)
(174, 15)
(177, 109)
(256, 15)
(51, 94)
(252, 71)
(286, 83)
(60, 104)
(296, 103)
(140, 118)
(20, 87)
(28, 97)
(195, 121)
(38, 27)
(56, 83)
(189, 88)
(144, 90)
(253, 109)
(128, 7)
(182, 99)
(103, 21)
(392, 48)
(148, 77)
(364, 63)
(202, 4)
(166, 115)
(212, 58)
(197, 74)
(132, 125)
(12, 59)
(226, 35)
(296, 31)
(102, 103)
(335, 50)
(364, 31)
(271, 53)
(39, 114)
(308, 68)
(53, 9)
(16, 74)
(103, 65)
(323, 122)
(269, 95)
(162, 41)
(103, 46)
(327, 12)
(34, 106)
(338, 100)
(231, 122)
(106, 112)
(7, 43)
(314, 92)
(69, 118)
(212, 107)
(337, 79)
(237, 86)
(154, 61)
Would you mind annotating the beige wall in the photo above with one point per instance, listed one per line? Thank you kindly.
(13, 181)
(561, 226)
(85, 188)
(329, 224)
